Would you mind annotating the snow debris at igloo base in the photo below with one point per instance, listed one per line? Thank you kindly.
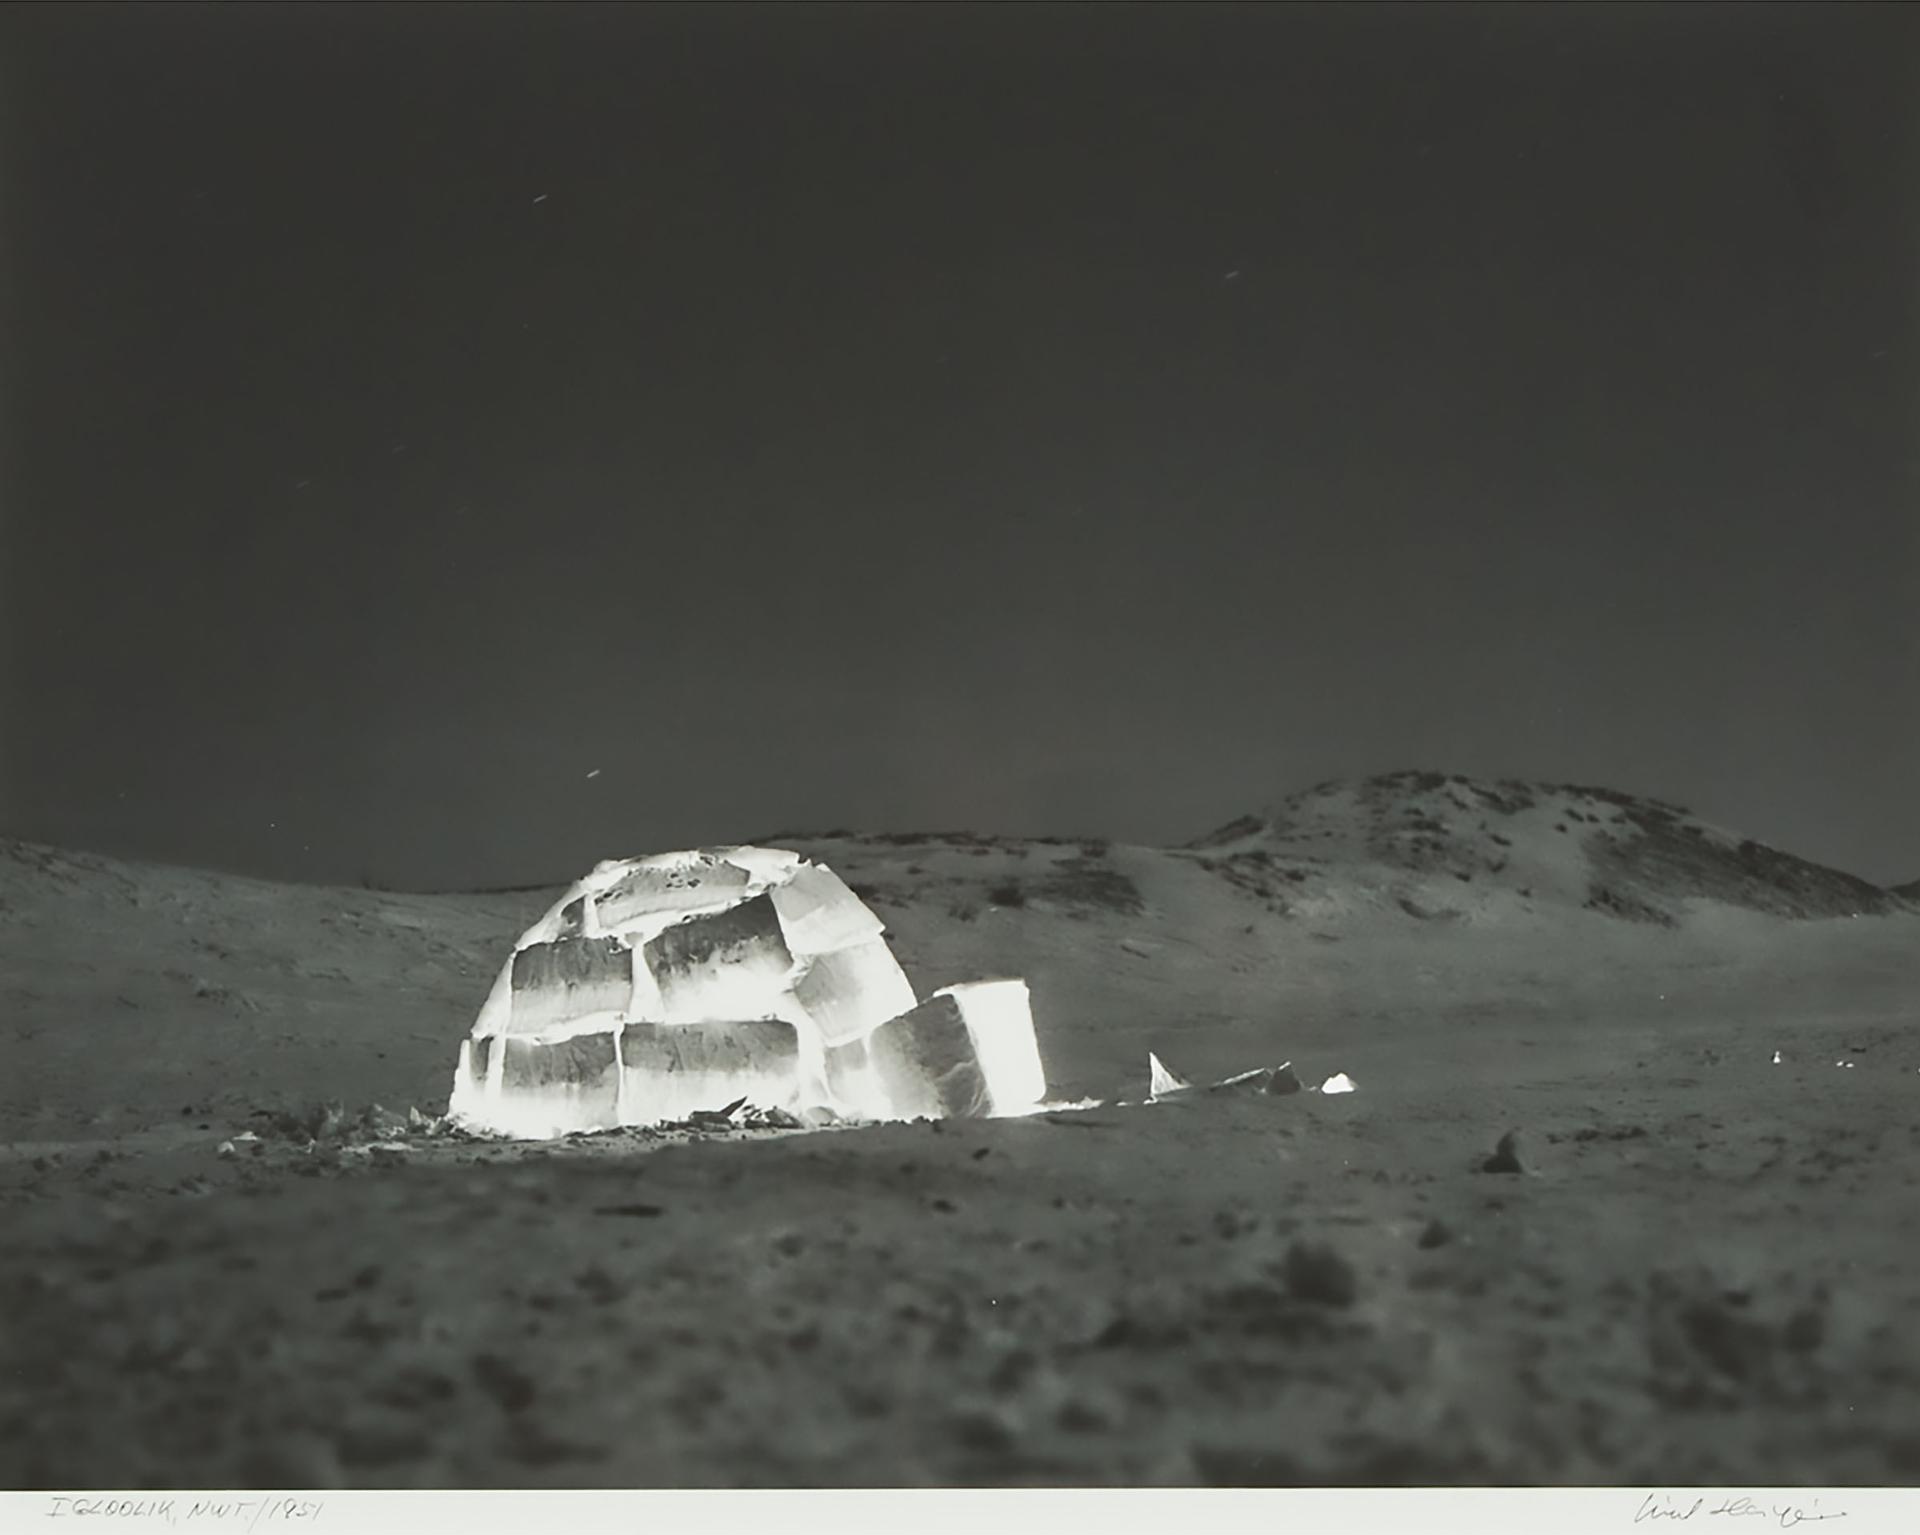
(659, 987)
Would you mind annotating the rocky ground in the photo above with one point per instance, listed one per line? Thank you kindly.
(1575, 1225)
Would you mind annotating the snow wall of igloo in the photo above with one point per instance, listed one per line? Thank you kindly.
(659, 986)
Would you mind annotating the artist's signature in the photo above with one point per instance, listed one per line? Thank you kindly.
(1664, 1506)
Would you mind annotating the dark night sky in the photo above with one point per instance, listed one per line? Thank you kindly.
(1081, 420)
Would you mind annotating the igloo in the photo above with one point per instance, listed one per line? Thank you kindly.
(659, 986)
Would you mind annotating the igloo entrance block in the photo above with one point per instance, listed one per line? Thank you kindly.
(921, 1065)
(968, 1050)
(999, 1016)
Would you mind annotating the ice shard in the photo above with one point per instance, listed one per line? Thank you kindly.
(1161, 1081)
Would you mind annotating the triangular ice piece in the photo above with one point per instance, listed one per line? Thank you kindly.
(1162, 1082)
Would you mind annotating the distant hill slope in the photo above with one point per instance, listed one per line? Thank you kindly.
(1449, 845)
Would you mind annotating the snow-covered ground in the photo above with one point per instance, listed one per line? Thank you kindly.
(1702, 1272)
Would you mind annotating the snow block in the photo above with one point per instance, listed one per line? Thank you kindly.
(569, 978)
(570, 1084)
(667, 889)
(819, 914)
(999, 1016)
(853, 991)
(920, 1065)
(724, 965)
(670, 1070)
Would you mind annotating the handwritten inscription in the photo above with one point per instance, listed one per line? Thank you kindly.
(1664, 1508)
(234, 1513)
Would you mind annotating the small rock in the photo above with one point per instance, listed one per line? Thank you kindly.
(533, 1444)
(504, 1382)
(1436, 1234)
(985, 1431)
(228, 1149)
(415, 1386)
(1804, 1331)
(1150, 1328)
(1506, 1155)
(1081, 1415)
(1013, 1371)
(1229, 1224)
(296, 1459)
(1316, 1273)
(375, 1436)
(1731, 1344)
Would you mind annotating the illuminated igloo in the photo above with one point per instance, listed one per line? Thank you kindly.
(659, 986)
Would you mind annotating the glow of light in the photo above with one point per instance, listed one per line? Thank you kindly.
(466, 1092)
(856, 1088)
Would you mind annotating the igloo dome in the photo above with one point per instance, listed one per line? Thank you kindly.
(659, 986)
